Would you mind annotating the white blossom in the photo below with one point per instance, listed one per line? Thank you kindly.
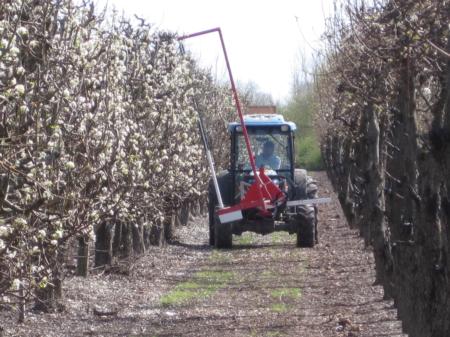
(23, 109)
(20, 222)
(42, 233)
(20, 70)
(427, 92)
(4, 231)
(70, 165)
(34, 44)
(16, 284)
(20, 89)
(14, 51)
(58, 234)
(22, 31)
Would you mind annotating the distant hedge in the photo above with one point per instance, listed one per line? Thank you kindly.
(301, 108)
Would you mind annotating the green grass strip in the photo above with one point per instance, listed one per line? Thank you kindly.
(201, 285)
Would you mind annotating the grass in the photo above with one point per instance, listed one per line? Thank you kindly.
(219, 257)
(284, 294)
(245, 239)
(178, 297)
(214, 277)
(279, 237)
(202, 285)
(279, 308)
(268, 274)
(292, 293)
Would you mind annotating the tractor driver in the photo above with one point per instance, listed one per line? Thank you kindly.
(267, 158)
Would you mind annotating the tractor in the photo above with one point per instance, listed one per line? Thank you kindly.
(262, 191)
(272, 145)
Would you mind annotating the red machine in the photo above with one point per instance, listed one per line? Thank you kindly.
(277, 196)
(263, 194)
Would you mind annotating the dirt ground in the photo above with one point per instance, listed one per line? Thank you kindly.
(264, 286)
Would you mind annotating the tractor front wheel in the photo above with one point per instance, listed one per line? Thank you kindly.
(211, 217)
(223, 234)
(306, 226)
(225, 181)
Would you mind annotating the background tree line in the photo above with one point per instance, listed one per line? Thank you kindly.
(300, 107)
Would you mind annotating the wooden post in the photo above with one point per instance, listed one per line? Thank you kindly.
(21, 301)
(103, 244)
(83, 257)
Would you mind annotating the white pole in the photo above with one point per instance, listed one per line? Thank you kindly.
(214, 177)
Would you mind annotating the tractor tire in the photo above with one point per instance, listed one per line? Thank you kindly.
(305, 187)
(306, 226)
(211, 214)
(225, 182)
(223, 234)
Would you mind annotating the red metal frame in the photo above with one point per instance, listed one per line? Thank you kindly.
(263, 193)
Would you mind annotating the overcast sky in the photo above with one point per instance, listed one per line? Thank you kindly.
(263, 38)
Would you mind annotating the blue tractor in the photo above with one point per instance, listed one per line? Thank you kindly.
(271, 139)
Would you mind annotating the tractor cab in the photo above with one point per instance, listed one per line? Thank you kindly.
(272, 144)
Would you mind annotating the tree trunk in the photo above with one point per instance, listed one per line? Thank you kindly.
(138, 238)
(168, 224)
(157, 235)
(184, 214)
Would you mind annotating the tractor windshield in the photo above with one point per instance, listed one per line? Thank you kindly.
(270, 146)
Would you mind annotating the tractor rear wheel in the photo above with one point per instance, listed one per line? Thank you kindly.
(305, 188)
(223, 234)
(306, 226)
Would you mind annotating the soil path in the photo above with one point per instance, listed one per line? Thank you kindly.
(264, 286)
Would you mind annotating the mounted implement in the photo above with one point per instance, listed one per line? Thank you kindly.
(261, 191)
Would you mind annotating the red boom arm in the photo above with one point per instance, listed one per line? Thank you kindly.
(262, 192)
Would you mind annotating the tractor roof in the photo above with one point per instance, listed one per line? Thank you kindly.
(263, 120)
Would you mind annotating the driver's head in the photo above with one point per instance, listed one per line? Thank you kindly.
(268, 149)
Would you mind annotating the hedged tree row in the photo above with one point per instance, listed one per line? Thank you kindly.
(385, 114)
(98, 135)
